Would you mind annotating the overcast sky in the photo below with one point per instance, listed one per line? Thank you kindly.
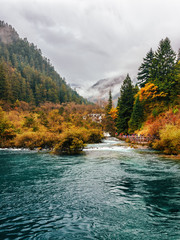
(88, 40)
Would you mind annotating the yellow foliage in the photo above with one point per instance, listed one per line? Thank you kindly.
(46, 126)
(16, 118)
(36, 139)
(165, 129)
(169, 141)
(113, 113)
(149, 92)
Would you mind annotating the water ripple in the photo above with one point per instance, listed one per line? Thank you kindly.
(110, 192)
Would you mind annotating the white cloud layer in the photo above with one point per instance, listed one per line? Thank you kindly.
(87, 40)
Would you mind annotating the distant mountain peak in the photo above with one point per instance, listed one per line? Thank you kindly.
(108, 83)
(7, 33)
(100, 90)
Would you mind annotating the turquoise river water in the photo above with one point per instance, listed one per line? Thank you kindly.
(109, 192)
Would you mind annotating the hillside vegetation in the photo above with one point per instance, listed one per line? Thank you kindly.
(26, 75)
(37, 108)
(64, 128)
(151, 108)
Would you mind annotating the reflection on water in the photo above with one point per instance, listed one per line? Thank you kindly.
(110, 192)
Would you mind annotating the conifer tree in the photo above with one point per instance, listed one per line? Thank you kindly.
(5, 85)
(125, 105)
(137, 116)
(144, 74)
(178, 56)
(175, 92)
(109, 106)
(2, 82)
(109, 122)
(163, 68)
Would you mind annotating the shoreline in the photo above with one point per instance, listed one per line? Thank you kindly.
(146, 146)
(139, 146)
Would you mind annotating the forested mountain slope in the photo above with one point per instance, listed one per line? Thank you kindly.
(26, 75)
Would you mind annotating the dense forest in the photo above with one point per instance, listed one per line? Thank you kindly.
(28, 76)
(151, 108)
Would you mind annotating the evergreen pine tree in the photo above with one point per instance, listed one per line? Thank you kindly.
(2, 82)
(109, 106)
(125, 105)
(163, 68)
(5, 84)
(144, 73)
(178, 56)
(175, 92)
(109, 122)
(137, 116)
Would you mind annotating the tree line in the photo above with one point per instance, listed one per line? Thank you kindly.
(156, 91)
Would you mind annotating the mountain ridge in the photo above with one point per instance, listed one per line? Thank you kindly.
(7, 33)
(26, 75)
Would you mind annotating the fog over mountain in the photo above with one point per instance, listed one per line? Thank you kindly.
(100, 90)
(7, 34)
(94, 39)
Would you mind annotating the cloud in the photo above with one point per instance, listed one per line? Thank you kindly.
(87, 40)
(37, 19)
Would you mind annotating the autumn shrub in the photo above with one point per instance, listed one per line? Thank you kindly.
(169, 141)
(68, 144)
(164, 130)
(36, 140)
(29, 121)
(7, 131)
(22, 106)
(17, 118)
(86, 135)
(6, 137)
(94, 136)
(73, 140)
(43, 118)
(153, 125)
(80, 133)
(48, 139)
(46, 126)
(26, 140)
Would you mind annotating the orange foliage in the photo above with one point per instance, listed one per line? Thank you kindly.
(153, 125)
(149, 92)
(45, 126)
(113, 113)
(169, 141)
